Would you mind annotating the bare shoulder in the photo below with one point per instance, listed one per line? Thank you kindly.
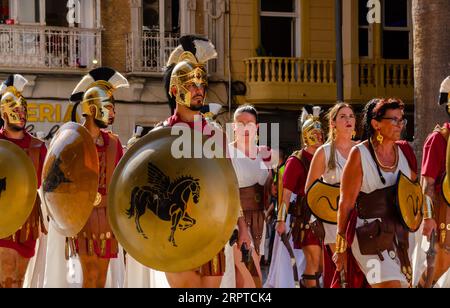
(320, 153)
(355, 154)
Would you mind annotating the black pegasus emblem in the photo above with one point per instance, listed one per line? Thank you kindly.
(2, 186)
(167, 200)
(55, 177)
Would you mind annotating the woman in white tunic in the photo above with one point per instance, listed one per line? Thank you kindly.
(382, 246)
(328, 164)
(251, 166)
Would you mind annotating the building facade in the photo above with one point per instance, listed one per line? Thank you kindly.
(278, 55)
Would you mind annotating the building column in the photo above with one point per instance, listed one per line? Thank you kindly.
(187, 11)
(134, 37)
(350, 49)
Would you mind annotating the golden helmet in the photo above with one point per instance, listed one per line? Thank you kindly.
(187, 66)
(444, 93)
(310, 125)
(186, 73)
(12, 101)
(96, 89)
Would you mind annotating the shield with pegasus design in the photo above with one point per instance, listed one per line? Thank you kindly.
(172, 214)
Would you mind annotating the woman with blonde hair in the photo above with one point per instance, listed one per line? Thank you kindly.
(327, 165)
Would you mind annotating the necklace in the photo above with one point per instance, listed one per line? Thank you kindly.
(390, 168)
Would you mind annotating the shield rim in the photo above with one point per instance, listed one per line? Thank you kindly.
(19, 151)
(114, 222)
(82, 131)
(446, 192)
(316, 182)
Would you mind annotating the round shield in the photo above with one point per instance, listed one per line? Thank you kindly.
(70, 178)
(323, 201)
(18, 188)
(409, 202)
(446, 190)
(172, 213)
(446, 182)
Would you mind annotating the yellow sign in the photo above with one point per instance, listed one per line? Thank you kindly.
(49, 112)
(47, 116)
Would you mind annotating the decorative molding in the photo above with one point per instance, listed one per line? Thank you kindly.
(215, 30)
(136, 88)
(191, 5)
(135, 3)
(29, 87)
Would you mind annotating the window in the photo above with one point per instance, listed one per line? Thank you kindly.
(56, 13)
(151, 15)
(150, 9)
(396, 29)
(4, 11)
(363, 36)
(278, 28)
(28, 11)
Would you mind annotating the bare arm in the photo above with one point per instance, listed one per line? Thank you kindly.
(281, 225)
(429, 188)
(317, 168)
(350, 188)
(430, 224)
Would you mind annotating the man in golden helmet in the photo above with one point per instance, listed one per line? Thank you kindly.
(96, 244)
(311, 127)
(435, 171)
(186, 84)
(186, 78)
(294, 180)
(17, 249)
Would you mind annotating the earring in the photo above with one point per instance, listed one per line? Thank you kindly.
(334, 133)
(354, 134)
(380, 138)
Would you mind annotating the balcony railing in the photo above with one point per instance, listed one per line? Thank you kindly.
(289, 79)
(298, 80)
(383, 78)
(387, 73)
(290, 70)
(150, 51)
(53, 48)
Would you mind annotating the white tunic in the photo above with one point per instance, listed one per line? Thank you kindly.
(281, 274)
(249, 171)
(378, 271)
(332, 177)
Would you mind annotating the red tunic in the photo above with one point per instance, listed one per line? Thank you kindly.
(295, 174)
(294, 179)
(97, 237)
(26, 248)
(433, 162)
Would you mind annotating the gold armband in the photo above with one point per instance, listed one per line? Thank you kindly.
(241, 213)
(341, 243)
(428, 208)
(282, 213)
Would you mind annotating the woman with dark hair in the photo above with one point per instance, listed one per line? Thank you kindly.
(382, 244)
(327, 165)
(251, 164)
